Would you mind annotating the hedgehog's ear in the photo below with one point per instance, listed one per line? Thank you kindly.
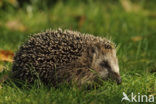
(93, 49)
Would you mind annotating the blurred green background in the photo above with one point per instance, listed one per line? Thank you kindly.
(130, 24)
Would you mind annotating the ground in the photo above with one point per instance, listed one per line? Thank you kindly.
(130, 25)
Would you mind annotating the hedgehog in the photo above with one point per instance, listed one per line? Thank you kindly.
(58, 56)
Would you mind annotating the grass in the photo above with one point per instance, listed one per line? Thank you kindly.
(133, 31)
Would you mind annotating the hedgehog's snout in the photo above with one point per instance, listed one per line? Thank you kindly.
(116, 77)
(118, 80)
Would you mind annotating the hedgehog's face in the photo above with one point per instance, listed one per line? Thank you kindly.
(105, 62)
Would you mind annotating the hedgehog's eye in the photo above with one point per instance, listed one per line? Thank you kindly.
(105, 64)
(107, 46)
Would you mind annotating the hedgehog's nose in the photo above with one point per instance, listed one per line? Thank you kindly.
(118, 80)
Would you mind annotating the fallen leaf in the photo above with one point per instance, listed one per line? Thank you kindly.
(15, 25)
(4, 78)
(127, 5)
(80, 20)
(1, 3)
(13, 2)
(1, 68)
(6, 55)
(136, 38)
